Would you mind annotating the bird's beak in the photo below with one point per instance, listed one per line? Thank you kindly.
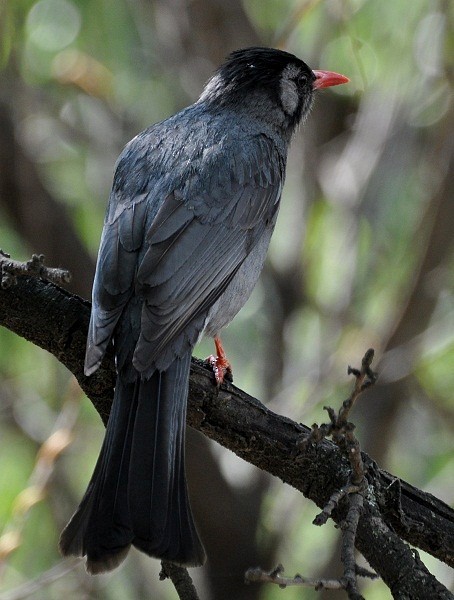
(325, 79)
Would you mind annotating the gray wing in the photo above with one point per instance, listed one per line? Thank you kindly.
(180, 257)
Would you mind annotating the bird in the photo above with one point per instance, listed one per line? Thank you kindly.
(193, 205)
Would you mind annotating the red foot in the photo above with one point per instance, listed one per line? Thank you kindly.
(220, 365)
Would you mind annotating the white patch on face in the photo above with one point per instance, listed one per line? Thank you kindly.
(288, 89)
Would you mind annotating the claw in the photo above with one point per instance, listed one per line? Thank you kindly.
(221, 367)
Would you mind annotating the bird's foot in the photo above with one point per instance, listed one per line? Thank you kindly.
(222, 369)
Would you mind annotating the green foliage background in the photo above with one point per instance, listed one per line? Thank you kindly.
(354, 261)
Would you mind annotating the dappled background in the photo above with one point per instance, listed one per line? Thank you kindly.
(363, 256)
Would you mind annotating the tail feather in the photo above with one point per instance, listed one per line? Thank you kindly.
(170, 531)
(101, 526)
(138, 494)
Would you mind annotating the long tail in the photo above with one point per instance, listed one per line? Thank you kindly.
(137, 494)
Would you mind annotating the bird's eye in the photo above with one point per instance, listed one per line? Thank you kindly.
(301, 79)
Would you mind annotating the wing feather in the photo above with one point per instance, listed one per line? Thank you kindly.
(176, 242)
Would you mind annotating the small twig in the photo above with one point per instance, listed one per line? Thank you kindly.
(180, 579)
(258, 575)
(342, 433)
(364, 379)
(10, 269)
(362, 572)
(339, 427)
(274, 576)
(349, 528)
(322, 517)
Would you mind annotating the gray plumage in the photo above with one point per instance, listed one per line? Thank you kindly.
(190, 216)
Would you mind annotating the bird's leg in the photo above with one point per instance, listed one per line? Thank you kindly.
(220, 364)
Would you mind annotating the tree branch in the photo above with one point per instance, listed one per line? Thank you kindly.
(180, 579)
(393, 509)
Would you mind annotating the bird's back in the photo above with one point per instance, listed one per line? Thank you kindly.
(200, 175)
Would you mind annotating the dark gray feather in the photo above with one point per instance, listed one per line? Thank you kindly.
(183, 233)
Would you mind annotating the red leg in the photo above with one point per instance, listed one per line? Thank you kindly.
(219, 363)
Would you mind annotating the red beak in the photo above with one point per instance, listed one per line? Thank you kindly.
(325, 79)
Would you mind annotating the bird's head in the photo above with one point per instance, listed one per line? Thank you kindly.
(268, 83)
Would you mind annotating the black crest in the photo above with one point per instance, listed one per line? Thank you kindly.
(255, 67)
